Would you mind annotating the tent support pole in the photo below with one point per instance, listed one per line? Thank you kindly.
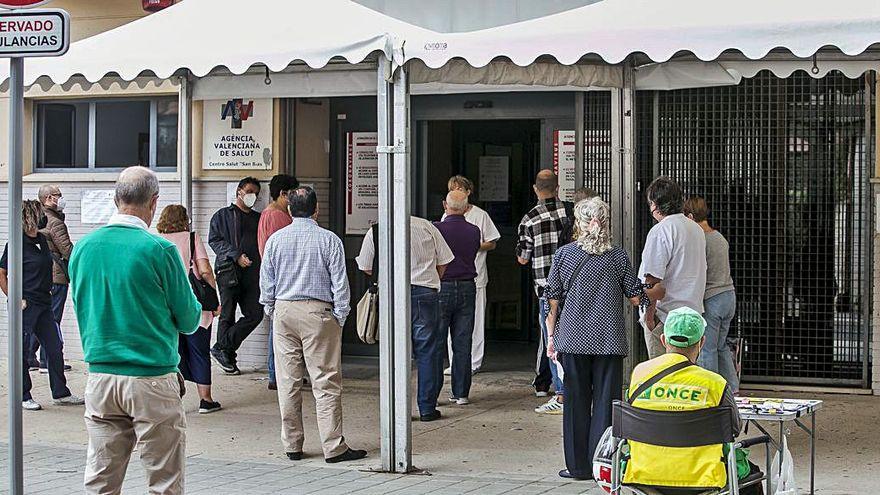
(626, 195)
(14, 311)
(184, 146)
(401, 254)
(394, 282)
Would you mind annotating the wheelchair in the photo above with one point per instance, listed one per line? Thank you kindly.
(680, 429)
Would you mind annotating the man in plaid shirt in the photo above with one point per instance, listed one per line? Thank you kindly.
(540, 233)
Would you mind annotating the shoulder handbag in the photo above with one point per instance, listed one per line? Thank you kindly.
(571, 281)
(206, 294)
(368, 306)
(62, 264)
(226, 270)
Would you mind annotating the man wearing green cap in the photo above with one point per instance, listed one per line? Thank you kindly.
(686, 388)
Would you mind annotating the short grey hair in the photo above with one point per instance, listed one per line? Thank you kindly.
(457, 201)
(136, 186)
(47, 190)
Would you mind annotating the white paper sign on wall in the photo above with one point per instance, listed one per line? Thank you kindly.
(494, 178)
(564, 161)
(97, 206)
(237, 134)
(362, 182)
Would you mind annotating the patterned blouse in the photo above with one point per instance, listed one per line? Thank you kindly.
(591, 321)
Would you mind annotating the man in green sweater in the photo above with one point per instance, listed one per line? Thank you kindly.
(133, 300)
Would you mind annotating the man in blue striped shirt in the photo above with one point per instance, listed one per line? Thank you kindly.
(304, 289)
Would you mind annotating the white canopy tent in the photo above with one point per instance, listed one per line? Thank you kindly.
(661, 29)
(220, 43)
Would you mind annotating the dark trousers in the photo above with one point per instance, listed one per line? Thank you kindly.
(38, 321)
(428, 344)
(195, 358)
(231, 333)
(30, 343)
(457, 301)
(591, 384)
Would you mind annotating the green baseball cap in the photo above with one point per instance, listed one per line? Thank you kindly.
(684, 327)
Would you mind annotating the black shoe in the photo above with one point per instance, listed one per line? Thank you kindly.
(295, 456)
(206, 407)
(348, 455)
(434, 416)
(565, 474)
(67, 367)
(274, 386)
(224, 362)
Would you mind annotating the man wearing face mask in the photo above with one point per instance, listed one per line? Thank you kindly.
(60, 247)
(233, 237)
(674, 253)
(131, 313)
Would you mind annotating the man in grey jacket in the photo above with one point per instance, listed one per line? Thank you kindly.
(60, 246)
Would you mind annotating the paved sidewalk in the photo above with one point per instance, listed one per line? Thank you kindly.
(59, 471)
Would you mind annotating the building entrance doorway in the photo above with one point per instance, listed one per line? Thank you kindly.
(501, 157)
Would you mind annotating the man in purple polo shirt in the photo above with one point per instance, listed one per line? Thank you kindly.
(458, 291)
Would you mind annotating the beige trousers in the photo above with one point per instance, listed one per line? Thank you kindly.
(124, 411)
(654, 340)
(306, 335)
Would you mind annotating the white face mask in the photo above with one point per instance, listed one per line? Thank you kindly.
(249, 200)
(61, 204)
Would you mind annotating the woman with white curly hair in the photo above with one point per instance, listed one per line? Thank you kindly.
(587, 285)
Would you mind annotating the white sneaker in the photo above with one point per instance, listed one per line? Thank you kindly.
(552, 406)
(31, 405)
(475, 371)
(447, 371)
(70, 400)
(461, 401)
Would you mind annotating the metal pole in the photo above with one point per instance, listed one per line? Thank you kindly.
(16, 125)
(184, 144)
(812, 453)
(401, 256)
(579, 131)
(628, 199)
(386, 287)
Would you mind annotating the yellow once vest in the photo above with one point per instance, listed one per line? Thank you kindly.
(689, 389)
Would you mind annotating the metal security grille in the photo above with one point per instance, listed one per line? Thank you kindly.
(784, 165)
(597, 142)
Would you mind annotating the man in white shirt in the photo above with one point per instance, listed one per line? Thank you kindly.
(429, 255)
(489, 240)
(674, 253)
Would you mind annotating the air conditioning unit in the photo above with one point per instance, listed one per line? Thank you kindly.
(156, 5)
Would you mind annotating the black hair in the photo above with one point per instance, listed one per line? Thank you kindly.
(281, 182)
(302, 202)
(248, 180)
(666, 195)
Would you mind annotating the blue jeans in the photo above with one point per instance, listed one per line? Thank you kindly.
(271, 362)
(457, 301)
(543, 360)
(428, 344)
(716, 354)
